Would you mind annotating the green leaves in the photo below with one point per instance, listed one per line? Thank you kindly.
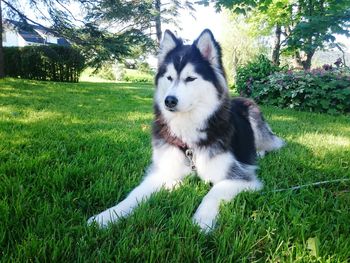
(57, 63)
(255, 70)
(305, 25)
(313, 244)
(316, 91)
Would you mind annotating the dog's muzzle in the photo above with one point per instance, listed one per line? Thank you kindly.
(170, 102)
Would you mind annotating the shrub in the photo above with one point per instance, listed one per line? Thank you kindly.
(131, 75)
(319, 90)
(255, 70)
(56, 63)
(13, 62)
(107, 72)
(145, 68)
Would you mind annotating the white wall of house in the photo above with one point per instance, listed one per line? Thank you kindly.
(12, 39)
(48, 37)
(51, 39)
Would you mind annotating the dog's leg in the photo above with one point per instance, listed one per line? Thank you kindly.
(167, 170)
(225, 190)
(150, 184)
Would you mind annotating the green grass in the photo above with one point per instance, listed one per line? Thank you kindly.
(136, 76)
(107, 74)
(68, 151)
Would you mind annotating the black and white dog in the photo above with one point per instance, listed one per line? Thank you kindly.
(198, 127)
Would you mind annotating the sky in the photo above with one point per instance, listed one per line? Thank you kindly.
(205, 17)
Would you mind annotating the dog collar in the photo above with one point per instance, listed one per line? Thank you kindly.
(176, 141)
(184, 148)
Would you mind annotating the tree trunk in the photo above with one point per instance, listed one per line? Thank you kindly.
(157, 5)
(297, 63)
(307, 62)
(2, 66)
(277, 46)
(303, 61)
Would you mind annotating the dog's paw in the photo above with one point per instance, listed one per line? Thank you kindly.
(261, 154)
(103, 219)
(205, 220)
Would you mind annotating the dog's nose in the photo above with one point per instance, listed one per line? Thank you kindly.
(170, 101)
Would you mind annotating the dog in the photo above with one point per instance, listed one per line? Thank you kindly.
(198, 127)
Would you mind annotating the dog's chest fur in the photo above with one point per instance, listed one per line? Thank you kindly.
(187, 130)
(189, 127)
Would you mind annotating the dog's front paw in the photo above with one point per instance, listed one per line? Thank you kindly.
(103, 219)
(261, 154)
(205, 220)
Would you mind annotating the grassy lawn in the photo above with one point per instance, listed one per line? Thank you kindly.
(69, 151)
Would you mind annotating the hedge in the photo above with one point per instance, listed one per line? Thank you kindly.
(319, 90)
(56, 63)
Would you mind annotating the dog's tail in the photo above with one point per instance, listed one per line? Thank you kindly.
(265, 139)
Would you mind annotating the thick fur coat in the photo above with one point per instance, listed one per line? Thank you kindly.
(197, 126)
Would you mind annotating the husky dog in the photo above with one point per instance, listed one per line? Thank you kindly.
(198, 127)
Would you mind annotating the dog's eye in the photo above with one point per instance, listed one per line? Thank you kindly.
(189, 79)
(169, 78)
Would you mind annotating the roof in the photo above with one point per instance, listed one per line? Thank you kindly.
(62, 42)
(32, 37)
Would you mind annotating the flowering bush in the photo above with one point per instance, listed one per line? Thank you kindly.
(319, 90)
(254, 71)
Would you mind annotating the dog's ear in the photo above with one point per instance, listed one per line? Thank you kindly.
(168, 43)
(208, 47)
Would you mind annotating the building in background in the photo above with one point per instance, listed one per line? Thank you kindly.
(20, 34)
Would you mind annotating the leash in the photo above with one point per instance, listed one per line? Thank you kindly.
(297, 187)
(189, 155)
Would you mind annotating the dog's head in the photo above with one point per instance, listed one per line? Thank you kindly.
(189, 77)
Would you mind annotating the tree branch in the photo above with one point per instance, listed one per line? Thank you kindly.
(69, 12)
(342, 51)
(23, 16)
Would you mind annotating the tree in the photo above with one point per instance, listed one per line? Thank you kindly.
(264, 17)
(318, 21)
(239, 46)
(113, 30)
(149, 14)
(109, 31)
(2, 69)
(305, 25)
(13, 10)
(168, 11)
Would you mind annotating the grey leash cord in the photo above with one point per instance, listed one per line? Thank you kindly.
(297, 187)
(190, 156)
